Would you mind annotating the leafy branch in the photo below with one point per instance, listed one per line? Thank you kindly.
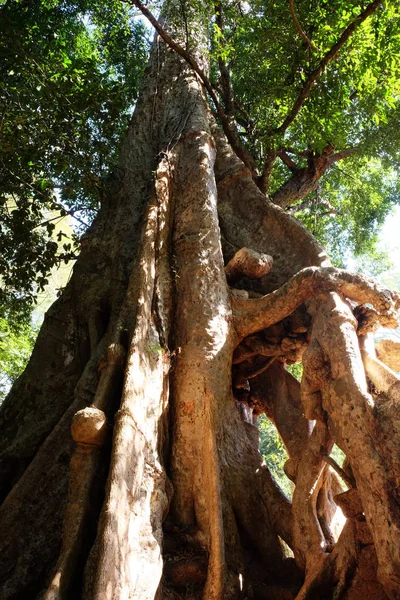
(300, 29)
(316, 74)
(54, 203)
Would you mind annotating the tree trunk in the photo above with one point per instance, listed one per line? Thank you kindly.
(129, 451)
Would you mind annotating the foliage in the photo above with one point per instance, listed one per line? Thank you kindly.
(338, 455)
(271, 446)
(354, 99)
(349, 208)
(16, 344)
(296, 370)
(69, 75)
(273, 453)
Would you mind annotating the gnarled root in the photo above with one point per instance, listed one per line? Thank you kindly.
(350, 409)
(252, 315)
(334, 392)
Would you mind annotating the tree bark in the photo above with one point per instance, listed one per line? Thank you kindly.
(159, 490)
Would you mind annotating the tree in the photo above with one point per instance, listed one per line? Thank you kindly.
(191, 293)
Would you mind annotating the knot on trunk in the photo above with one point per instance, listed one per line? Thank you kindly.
(248, 263)
(89, 427)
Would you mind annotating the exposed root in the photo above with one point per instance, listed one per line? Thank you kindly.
(350, 409)
(89, 430)
(341, 472)
(313, 502)
(255, 345)
(309, 540)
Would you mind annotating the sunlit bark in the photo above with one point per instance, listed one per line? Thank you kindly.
(130, 454)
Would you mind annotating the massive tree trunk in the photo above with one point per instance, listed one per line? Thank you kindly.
(129, 451)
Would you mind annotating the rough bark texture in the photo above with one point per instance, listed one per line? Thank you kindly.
(129, 448)
(388, 351)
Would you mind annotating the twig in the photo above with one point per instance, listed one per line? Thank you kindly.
(43, 223)
(300, 29)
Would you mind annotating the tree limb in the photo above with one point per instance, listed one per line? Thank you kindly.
(252, 315)
(305, 179)
(263, 181)
(247, 121)
(341, 155)
(329, 56)
(310, 202)
(289, 162)
(300, 29)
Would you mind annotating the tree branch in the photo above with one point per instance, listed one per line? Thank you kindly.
(252, 315)
(300, 29)
(263, 181)
(341, 155)
(310, 202)
(226, 83)
(305, 179)
(228, 127)
(329, 56)
(289, 162)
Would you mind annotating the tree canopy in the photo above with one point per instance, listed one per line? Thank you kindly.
(310, 94)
